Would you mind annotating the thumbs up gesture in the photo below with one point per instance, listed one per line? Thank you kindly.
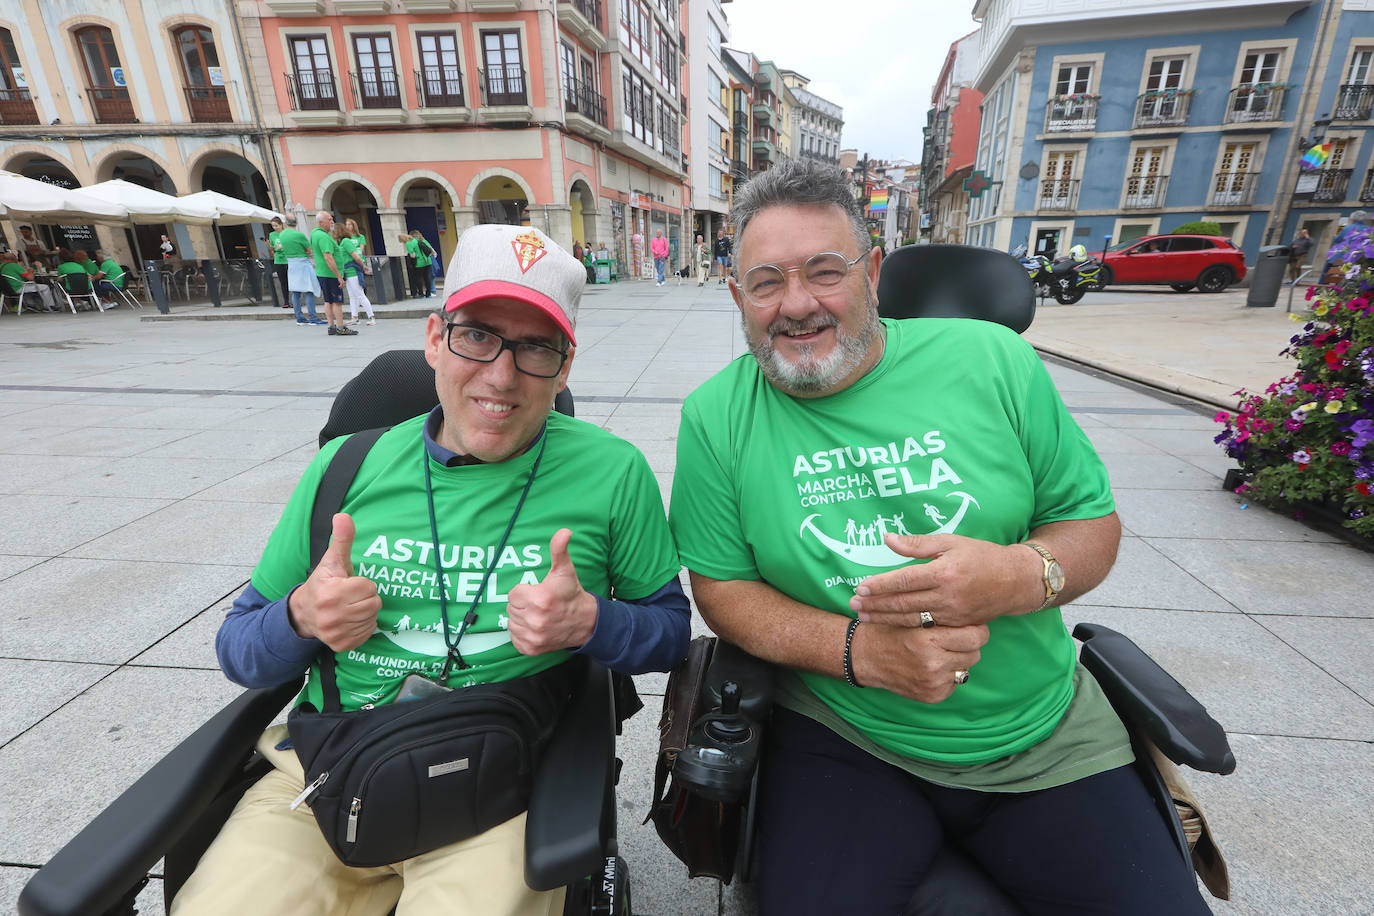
(335, 606)
(556, 613)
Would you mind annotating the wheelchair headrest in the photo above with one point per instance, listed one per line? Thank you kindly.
(395, 386)
(956, 281)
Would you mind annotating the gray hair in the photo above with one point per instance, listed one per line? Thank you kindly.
(798, 182)
(290, 220)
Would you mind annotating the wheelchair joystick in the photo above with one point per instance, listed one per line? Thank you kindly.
(722, 751)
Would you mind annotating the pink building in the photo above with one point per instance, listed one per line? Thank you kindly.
(440, 114)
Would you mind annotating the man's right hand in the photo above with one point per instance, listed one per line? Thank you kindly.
(913, 662)
(335, 606)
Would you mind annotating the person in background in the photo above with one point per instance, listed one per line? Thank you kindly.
(329, 273)
(279, 260)
(577, 250)
(88, 264)
(18, 280)
(300, 273)
(429, 266)
(1298, 249)
(34, 250)
(359, 240)
(68, 265)
(590, 263)
(167, 248)
(112, 279)
(722, 252)
(659, 249)
(701, 257)
(354, 268)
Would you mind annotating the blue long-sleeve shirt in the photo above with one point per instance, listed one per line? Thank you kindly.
(257, 646)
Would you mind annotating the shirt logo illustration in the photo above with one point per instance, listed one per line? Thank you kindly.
(863, 542)
(529, 248)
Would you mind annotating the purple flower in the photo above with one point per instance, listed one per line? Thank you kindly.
(1301, 457)
(1364, 433)
(1292, 424)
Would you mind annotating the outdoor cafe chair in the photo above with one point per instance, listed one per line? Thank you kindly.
(78, 286)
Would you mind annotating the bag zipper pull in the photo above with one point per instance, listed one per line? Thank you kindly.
(309, 791)
(353, 809)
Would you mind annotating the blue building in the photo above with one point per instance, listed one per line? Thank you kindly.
(1126, 118)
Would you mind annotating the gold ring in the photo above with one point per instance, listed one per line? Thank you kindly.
(960, 676)
(927, 621)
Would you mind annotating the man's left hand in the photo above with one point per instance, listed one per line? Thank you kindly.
(967, 581)
(555, 614)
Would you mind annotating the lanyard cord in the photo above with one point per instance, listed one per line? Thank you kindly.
(471, 616)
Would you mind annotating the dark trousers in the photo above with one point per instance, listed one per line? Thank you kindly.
(419, 287)
(841, 832)
(280, 271)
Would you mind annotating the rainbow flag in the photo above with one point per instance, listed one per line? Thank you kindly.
(877, 200)
(1316, 157)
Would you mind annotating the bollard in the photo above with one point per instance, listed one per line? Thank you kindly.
(152, 279)
(207, 270)
(256, 274)
(377, 290)
(398, 277)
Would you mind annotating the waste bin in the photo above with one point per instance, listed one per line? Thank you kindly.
(1267, 276)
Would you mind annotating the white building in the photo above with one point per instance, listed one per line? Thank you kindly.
(708, 115)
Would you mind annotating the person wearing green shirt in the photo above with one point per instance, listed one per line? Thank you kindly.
(70, 264)
(354, 269)
(421, 278)
(891, 513)
(19, 279)
(487, 542)
(300, 272)
(329, 273)
(279, 267)
(360, 240)
(112, 279)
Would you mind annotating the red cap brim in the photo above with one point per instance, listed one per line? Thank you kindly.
(501, 289)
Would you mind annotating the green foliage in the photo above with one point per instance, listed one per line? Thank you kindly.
(1198, 227)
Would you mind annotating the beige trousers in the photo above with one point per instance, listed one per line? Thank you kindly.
(270, 860)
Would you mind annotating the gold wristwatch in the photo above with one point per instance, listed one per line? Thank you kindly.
(1053, 576)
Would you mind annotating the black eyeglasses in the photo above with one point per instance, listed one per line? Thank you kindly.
(483, 346)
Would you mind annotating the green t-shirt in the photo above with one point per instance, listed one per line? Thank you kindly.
(414, 248)
(91, 267)
(361, 241)
(13, 272)
(346, 249)
(113, 272)
(278, 257)
(322, 243)
(294, 244)
(589, 481)
(958, 429)
(71, 267)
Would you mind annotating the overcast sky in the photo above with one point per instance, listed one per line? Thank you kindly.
(877, 59)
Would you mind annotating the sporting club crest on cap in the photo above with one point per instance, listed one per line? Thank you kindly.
(529, 248)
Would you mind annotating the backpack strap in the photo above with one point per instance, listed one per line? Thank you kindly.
(329, 497)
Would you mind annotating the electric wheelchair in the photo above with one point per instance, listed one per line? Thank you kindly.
(713, 735)
(175, 810)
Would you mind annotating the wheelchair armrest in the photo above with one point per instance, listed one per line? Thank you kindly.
(112, 853)
(572, 807)
(1149, 699)
(754, 676)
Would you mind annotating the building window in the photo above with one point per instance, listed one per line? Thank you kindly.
(16, 104)
(205, 93)
(440, 78)
(1257, 98)
(313, 80)
(375, 81)
(1073, 79)
(717, 183)
(105, 84)
(505, 71)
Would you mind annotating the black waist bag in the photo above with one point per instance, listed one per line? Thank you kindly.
(396, 781)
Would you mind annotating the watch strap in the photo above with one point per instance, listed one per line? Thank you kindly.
(1047, 559)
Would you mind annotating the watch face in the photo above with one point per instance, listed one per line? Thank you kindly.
(1055, 576)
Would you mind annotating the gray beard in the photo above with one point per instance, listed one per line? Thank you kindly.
(810, 375)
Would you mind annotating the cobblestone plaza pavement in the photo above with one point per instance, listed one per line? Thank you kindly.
(145, 463)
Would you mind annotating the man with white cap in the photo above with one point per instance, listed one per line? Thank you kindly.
(538, 537)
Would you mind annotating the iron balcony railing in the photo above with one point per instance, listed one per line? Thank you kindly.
(313, 90)
(584, 100)
(1332, 185)
(1071, 113)
(1367, 189)
(439, 87)
(16, 107)
(1353, 102)
(1059, 193)
(590, 9)
(112, 104)
(1255, 102)
(1145, 192)
(504, 85)
(739, 168)
(741, 121)
(208, 104)
(1162, 108)
(1233, 189)
(376, 87)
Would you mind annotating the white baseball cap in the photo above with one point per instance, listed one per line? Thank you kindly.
(516, 262)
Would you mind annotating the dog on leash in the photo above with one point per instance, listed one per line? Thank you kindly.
(682, 273)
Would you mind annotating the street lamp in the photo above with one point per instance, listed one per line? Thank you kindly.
(1318, 134)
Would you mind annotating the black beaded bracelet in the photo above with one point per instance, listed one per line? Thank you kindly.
(849, 654)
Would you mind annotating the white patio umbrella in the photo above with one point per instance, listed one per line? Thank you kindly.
(28, 199)
(232, 211)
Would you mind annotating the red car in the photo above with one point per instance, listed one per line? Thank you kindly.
(1209, 262)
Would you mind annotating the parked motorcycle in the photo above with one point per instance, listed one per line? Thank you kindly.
(1067, 279)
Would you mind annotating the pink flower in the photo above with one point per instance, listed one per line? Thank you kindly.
(1340, 448)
